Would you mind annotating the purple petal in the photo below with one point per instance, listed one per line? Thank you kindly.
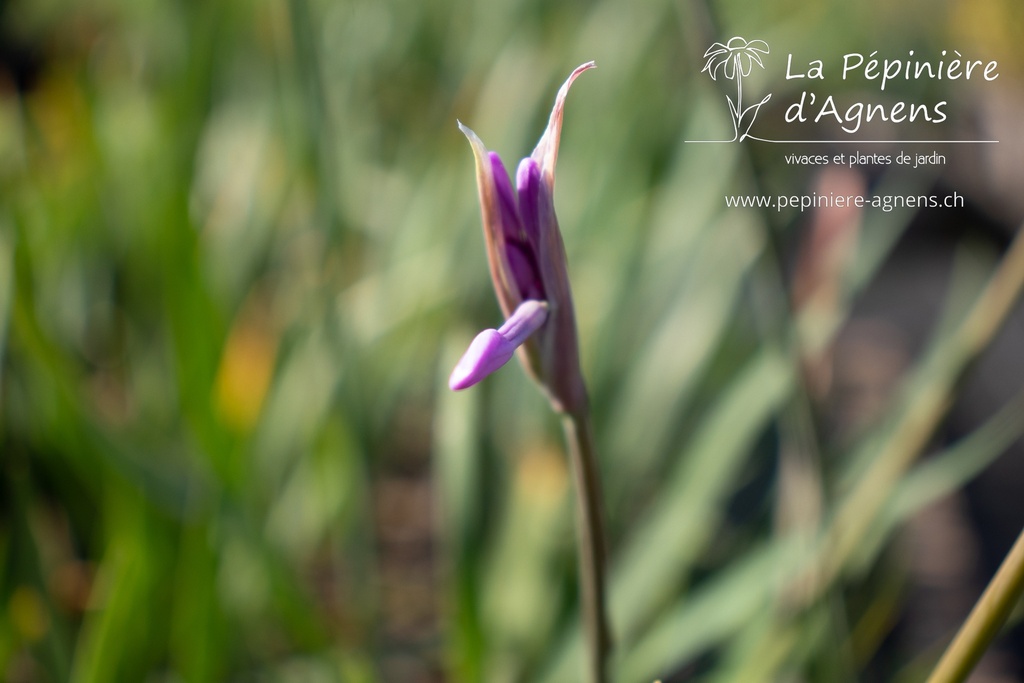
(511, 227)
(530, 315)
(519, 248)
(534, 210)
(528, 188)
(491, 349)
(525, 271)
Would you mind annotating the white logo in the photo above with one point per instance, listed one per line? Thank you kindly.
(736, 59)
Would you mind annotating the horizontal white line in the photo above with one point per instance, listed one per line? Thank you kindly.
(856, 142)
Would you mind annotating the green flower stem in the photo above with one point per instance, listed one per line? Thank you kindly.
(590, 543)
(985, 620)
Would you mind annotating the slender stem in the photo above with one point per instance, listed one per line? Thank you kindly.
(590, 543)
(985, 620)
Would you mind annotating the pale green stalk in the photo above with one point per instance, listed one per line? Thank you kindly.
(985, 620)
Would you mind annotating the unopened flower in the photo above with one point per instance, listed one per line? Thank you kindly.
(528, 269)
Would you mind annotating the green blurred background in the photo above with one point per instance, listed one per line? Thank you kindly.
(240, 251)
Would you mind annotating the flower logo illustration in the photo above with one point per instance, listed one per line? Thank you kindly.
(736, 59)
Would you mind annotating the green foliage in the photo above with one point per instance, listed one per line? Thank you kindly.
(239, 254)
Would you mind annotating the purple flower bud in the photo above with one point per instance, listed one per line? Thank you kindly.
(527, 263)
(493, 348)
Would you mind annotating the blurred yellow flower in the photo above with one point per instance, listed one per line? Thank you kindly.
(245, 371)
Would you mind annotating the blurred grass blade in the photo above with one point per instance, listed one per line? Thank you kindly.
(660, 553)
(714, 611)
(927, 397)
(6, 294)
(661, 382)
(944, 473)
(663, 547)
